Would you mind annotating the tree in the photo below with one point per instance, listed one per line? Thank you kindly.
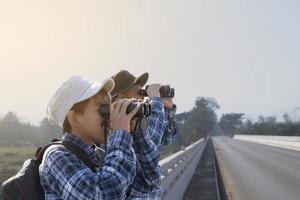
(11, 118)
(49, 131)
(287, 119)
(230, 122)
(201, 120)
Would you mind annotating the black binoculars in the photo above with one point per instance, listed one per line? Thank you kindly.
(165, 91)
(144, 110)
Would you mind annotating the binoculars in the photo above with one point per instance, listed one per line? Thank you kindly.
(165, 91)
(144, 110)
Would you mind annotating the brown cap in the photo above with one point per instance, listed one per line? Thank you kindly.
(124, 80)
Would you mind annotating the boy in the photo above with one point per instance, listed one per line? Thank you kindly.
(75, 109)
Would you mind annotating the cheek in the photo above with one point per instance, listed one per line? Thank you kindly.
(96, 120)
(93, 121)
(131, 94)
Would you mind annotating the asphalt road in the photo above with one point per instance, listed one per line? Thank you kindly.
(258, 172)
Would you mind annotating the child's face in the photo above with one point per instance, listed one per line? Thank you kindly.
(90, 120)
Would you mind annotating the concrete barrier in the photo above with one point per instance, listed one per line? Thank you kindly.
(178, 170)
(287, 142)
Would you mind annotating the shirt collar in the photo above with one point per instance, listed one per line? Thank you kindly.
(77, 141)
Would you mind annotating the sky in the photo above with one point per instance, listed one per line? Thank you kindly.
(245, 54)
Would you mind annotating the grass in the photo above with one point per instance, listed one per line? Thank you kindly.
(11, 160)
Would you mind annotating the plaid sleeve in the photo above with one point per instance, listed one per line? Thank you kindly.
(65, 174)
(146, 184)
(147, 157)
(157, 121)
(171, 130)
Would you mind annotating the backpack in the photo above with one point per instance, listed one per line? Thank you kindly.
(25, 184)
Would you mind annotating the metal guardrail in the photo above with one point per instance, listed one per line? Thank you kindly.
(287, 142)
(178, 170)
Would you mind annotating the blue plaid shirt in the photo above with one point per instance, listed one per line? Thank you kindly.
(64, 176)
(146, 184)
(163, 128)
(171, 130)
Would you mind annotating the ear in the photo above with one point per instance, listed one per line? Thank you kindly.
(73, 118)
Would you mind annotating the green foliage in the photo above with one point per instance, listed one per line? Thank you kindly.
(270, 126)
(202, 118)
(230, 122)
(15, 133)
(195, 124)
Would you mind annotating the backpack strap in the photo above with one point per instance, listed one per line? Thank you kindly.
(81, 154)
(76, 150)
(41, 150)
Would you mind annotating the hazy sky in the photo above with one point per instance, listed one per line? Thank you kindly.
(246, 54)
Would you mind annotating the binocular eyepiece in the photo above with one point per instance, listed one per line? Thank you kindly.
(165, 91)
(144, 110)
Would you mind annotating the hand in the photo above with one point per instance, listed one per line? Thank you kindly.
(119, 119)
(153, 90)
(133, 121)
(168, 102)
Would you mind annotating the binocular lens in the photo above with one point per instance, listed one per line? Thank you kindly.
(144, 110)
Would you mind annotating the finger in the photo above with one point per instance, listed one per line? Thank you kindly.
(134, 111)
(112, 107)
(122, 104)
(125, 105)
(118, 104)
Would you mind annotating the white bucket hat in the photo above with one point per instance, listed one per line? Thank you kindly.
(73, 91)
